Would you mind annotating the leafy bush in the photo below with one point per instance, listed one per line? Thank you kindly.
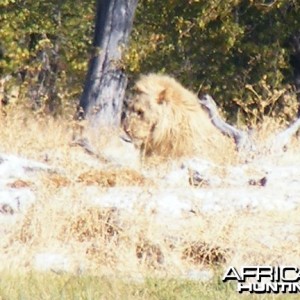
(229, 48)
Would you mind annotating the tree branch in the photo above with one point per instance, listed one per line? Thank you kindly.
(282, 139)
(241, 138)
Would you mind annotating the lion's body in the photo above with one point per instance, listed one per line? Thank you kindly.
(165, 119)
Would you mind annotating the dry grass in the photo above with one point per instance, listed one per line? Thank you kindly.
(107, 242)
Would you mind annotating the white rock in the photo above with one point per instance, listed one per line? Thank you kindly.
(199, 275)
(51, 261)
(18, 199)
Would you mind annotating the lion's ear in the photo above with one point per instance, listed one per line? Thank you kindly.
(161, 97)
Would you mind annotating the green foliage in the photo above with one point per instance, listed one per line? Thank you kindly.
(44, 45)
(221, 47)
(236, 50)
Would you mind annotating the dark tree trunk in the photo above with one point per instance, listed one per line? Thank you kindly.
(295, 63)
(105, 85)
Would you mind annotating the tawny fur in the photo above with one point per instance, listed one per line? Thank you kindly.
(165, 119)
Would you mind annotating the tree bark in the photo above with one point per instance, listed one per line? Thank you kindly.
(295, 63)
(105, 84)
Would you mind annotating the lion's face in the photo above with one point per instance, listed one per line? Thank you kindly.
(152, 119)
(142, 115)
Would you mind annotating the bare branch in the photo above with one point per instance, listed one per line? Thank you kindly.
(85, 144)
(241, 138)
(283, 138)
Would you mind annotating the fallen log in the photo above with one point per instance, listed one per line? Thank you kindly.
(242, 138)
(283, 138)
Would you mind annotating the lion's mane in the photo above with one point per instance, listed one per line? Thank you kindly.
(163, 118)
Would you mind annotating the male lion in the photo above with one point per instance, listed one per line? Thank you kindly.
(165, 119)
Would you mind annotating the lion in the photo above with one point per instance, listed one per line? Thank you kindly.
(165, 119)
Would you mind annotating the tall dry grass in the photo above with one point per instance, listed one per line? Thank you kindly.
(122, 244)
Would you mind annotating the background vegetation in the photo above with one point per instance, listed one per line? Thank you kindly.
(237, 50)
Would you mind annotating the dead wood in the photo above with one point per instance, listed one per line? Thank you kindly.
(242, 139)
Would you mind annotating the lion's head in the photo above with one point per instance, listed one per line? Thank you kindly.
(165, 119)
